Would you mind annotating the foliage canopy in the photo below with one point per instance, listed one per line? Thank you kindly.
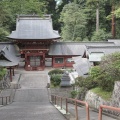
(75, 19)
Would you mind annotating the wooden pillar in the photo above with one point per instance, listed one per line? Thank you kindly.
(43, 61)
(10, 75)
(52, 61)
(13, 72)
(26, 62)
(65, 61)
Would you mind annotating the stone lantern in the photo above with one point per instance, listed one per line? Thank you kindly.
(65, 80)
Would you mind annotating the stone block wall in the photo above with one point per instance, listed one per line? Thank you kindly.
(95, 101)
(116, 95)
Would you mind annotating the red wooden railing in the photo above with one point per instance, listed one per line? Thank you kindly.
(106, 107)
(57, 99)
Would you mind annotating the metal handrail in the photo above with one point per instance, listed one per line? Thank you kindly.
(55, 98)
(106, 107)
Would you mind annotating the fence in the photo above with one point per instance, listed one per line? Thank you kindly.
(7, 95)
(106, 107)
(59, 100)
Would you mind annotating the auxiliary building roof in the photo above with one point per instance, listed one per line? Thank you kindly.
(66, 48)
(103, 49)
(97, 52)
(34, 28)
(8, 55)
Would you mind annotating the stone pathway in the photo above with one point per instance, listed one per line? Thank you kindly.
(31, 101)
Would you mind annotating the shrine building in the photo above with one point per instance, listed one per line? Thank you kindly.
(40, 46)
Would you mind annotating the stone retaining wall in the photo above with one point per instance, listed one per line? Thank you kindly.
(95, 101)
(116, 95)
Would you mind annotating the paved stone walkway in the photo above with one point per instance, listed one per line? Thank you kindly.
(31, 101)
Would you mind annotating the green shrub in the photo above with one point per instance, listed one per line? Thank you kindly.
(55, 79)
(55, 71)
(109, 71)
(87, 82)
(106, 82)
(100, 35)
(95, 72)
(82, 93)
(2, 72)
(73, 94)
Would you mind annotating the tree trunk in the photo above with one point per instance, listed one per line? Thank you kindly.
(97, 18)
(113, 23)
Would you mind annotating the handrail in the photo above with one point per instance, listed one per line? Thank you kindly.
(54, 99)
(106, 107)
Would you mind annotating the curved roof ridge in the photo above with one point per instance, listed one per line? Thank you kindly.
(34, 28)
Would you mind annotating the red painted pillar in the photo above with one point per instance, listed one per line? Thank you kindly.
(43, 61)
(65, 59)
(52, 61)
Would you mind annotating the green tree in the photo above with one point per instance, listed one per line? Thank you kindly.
(117, 13)
(28, 6)
(100, 35)
(74, 21)
(107, 72)
(95, 3)
(9, 9)
(2, 72)
(112, 16)
(3, 34)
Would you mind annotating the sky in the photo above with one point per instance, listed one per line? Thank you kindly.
(58, 1)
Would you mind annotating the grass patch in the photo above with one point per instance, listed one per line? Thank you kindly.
(52, 86)
(103, 94)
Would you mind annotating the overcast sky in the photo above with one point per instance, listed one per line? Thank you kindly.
(58, 1)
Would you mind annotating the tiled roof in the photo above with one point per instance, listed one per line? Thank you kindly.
(34, 28)
(63, 48)
(116, 41)
(103, 49)
(76, 59)
(82, 66)
(5, 63)
(94, 43)
(9, 52)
